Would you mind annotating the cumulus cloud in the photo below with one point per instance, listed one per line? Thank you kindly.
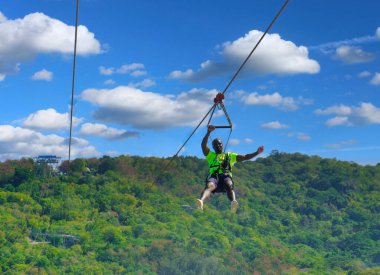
(106, 71)
(364, 74)
(300, 136)
(274, 100)
(148, 110)
(17, 142)
(133, 69)
(235, 141)
(101, 130)
(179, 74)
(353, 55)
(109, 82)
(2, 77)
(365, 113)
(138, 73)
(49, 119)
(274, 56)
(275, 125)
(341, 110)
(377, 33)
(23, 39)
(126, 68)
(376, 79)
(247, 140)
(145, 83)
(2, 17)
(43, 75)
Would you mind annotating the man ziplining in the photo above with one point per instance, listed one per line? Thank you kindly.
(220, 178)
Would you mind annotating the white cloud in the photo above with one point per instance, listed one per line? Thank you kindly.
(338, 120)
(43, 75)
(49, 119)
(341, 110)
(330, 47)
(235, 141)
(365, 113)
(353, 55)
(24, 38)
(101, 130)
(376, 79)
(145, 83)
(126, 68)
(109, 82)
(274, 125)
(178, 74)
(131, 106)
(17, 142)
(364, 74)
(303, 137)
(273, 56)
(274, 100)
(300, 136)
(134, 69)
(247, 140)
(2, 77)
(106, 71)
(2, 17)
(138, 73)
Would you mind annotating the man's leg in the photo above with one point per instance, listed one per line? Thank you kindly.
(211, 186)
(230, 189)
(231, 193)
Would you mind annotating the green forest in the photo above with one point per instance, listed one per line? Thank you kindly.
(297, 214)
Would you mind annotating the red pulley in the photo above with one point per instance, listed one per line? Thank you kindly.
(218, 99)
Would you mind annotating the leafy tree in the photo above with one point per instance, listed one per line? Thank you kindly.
(21, 175)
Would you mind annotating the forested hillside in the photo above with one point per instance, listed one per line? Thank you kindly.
(297, 215)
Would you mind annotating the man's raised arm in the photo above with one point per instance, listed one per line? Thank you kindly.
(205, 148)
(250, 156)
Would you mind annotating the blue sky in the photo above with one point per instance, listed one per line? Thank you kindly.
(147, 72)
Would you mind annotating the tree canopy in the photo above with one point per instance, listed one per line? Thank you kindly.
(298, 214)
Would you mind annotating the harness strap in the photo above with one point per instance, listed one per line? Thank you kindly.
(228, 167)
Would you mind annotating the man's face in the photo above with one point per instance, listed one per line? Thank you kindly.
(217, 145)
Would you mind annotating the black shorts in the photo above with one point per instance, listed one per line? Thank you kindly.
(221, 182)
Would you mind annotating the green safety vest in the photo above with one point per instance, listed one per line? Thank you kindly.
(215, 162)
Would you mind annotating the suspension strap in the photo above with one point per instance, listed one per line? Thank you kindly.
(218, 102)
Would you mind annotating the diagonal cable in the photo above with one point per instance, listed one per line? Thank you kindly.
(254, 48)
(73, 82)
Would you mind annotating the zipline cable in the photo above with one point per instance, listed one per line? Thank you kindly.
(254, 48)
(212, 109)
(73, 82)
(43, 250)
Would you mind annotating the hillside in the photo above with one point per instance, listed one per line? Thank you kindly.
(298, 214)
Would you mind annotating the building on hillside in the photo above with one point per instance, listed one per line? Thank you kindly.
(48, 164)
